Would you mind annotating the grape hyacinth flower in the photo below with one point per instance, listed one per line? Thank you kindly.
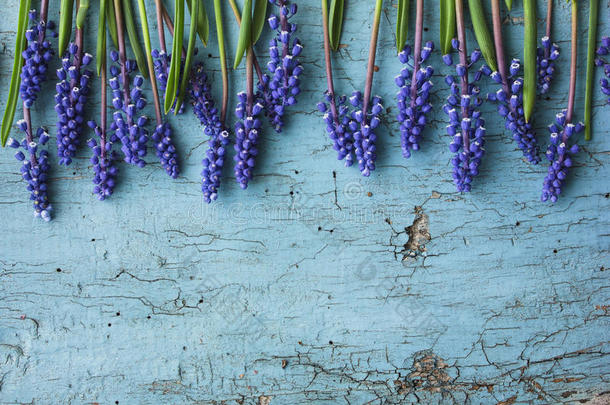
(547, 54)
(284, 66)
(161, 65)
(339, 126)
(35, 167)
(466, 124)
(364, 136)
(209, 117)
(511, 108)
(104, 162)
(37, 54)
(412, 98)
(559, 153)
(602, 51)
(165, 149)
(71, 97)
(128, 126)
(247, 130)
(510, 95)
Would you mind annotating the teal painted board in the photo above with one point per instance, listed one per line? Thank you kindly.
(315, 284)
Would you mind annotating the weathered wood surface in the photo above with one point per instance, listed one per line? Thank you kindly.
(314, 285)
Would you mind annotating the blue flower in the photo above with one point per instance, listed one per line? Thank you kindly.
(412, 98)
(129, 126)
(339, 126)
(364, 136)
(559, 153)
(604, 50)
(166, 151)
(104, 161)
(71, 97)
(247, 130)
(510, 106)
(34, 167)
(36, 57)
(466, 125)
(161, 63)
(545, 61)
(282, 85)
(209, 117)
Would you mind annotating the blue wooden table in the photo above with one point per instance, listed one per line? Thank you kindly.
(314, 285)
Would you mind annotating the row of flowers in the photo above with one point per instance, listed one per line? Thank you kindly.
(351, 122)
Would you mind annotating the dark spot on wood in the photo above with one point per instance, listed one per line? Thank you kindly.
(284, 363)
(58, 270)
(369, 194)
(296, 172)
(517, 223)
(118, 314)
(92, 239)
(554, 250)
(201, 301)
(148, 317)
(426, 29)
(291, 192)
(184, 348)
(209, 55)
(319, 228)
(109, 325)
(330, 342)
(376, 68)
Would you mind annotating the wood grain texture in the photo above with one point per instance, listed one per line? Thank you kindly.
(315, 285)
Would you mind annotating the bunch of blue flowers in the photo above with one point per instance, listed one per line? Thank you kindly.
(283, 84)
(412, 98)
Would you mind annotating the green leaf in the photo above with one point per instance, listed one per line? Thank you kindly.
(509, 4)
(82, 13)
(482, 33)
(592, 40)
(223, 58)
(65, 25)
(13, 92)
(114, 34)
(402, 25)
(259, 19)
(447, 25)
(190, 51)
(174, 66)
(132, 33)
(203, 23)
(529, 58)
(245, 33)
(335, 23)
(100, 53)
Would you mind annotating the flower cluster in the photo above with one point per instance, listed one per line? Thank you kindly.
(34, 168)
(511, 108)
(36, 57)
(129, 128)
(209, 117)
(339, 126)
(466, 125)
(104, 162)
(165, 149)
(246, 137)
(412, 98)
(559, 154)
(545, 61)
(284, 66)
(604, 50)
(71, 97)
(364, 136)
(161, 63)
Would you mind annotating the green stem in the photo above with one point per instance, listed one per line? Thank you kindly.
(65, 25)
(593, 13)
(573, 62)
(189, 55)
(132, 32)
(529, 58)
(82, 13)
(13, 92)
(223, 60)
(149, 60)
